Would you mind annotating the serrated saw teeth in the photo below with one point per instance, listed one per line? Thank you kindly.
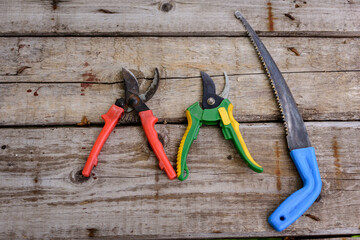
(271, 81)
(264, 64)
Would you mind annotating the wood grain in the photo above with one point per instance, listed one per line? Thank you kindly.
(252, 96)
(177, 18)
(129, 197)
(99, 59)
(60, 63)
(59, 80)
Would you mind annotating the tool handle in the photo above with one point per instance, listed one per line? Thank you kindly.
(298, 202)
(148, 121)
(193, 115)
(111, 119)
(231, 130)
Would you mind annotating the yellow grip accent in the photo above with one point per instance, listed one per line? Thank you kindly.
(178, 164)
(224, 116)
(235, 126)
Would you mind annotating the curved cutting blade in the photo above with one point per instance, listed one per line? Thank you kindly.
(153, 87)
(132, 88)
(297, 136)
(131, 84)
(210, 99)
(226, 90)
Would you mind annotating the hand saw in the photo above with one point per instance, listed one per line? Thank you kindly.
(297, 138)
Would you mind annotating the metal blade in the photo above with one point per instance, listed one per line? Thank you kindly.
(153, 87)
(296, 134)
(132, 99)
(131, 84)
(210, 99)
(132, 88)
(225, 92)
(208, 84)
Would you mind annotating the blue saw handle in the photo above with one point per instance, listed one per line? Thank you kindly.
(298, 202)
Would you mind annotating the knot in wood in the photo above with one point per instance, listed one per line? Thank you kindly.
(161, 139)
(166, 7)
(78, 178)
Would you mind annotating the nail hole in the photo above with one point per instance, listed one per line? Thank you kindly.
(3, 147)
(282, 218)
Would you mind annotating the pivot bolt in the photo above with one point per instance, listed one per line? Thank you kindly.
(134, 100)
(120, 102)
(210, 101)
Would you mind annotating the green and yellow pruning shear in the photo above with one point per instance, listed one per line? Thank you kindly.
(216, 109)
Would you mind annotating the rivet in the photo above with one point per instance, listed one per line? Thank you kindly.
(210, 101)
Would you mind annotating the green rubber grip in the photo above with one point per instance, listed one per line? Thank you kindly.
(193, 114)
(231, 131)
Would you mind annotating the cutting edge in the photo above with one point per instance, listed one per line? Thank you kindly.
(295, 129)
(130, 79)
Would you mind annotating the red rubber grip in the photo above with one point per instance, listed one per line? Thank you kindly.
(111, 118)
(148, 121)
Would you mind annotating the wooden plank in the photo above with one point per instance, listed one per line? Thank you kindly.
(129, 197)
(99, 59)
(142, 17)
(320, 96)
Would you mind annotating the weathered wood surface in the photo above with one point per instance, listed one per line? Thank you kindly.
(142, 17)
(60, 80)
(99, 59)
(41, 196)
(320, 96)
(72, 70)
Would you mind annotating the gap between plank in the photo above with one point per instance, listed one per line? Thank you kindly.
(314, 34)
(172, 78)
(160, 122)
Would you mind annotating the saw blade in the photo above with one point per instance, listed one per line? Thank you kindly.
(296, 133)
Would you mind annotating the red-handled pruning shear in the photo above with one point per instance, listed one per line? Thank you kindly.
(132, 101)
